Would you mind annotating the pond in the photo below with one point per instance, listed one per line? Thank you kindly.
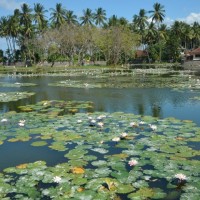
(103, 136)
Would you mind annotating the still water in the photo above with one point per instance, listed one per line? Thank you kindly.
(157, 102)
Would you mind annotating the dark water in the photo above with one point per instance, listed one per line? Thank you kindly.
(158, 102)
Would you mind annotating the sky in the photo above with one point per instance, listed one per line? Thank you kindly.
(183, 10)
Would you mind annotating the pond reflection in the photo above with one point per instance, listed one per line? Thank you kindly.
(157, 102)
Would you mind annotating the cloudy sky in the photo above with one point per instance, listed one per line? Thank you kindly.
(184, 10)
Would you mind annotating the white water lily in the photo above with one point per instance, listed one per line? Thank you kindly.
(101, 117)
(123, 135)
(116, 139)
(153, 127)
(181, 176)
(133, 124)
(4, 120)
(100, 124)
(141, 122)
(57, 179)
(79, 121)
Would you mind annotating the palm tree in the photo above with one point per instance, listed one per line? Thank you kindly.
(123, 21)
(58, 15)
(15, 27)
(26, 20)
(113, 21)
(100, 16)
(196, 30)
(140, 23)
(158, 13)
(87, 17)
(39, 16)
(4, 33)
(158, 16)
(70, 17)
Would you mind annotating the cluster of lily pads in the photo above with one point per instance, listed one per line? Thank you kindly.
(131, 80)
(14, 96)
(16, 84)
(108, 155)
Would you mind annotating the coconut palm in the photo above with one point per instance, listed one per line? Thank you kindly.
(58, 15)
(70, 17)
(100, 16)
(113, 21)
(87, 17)
(196, 30)
(39, 16)
(157, 16)
(140, 23)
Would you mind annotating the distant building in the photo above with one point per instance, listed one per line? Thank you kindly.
(192, 55)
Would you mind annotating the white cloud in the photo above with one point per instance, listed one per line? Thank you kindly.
(10, 4)
(191, 18)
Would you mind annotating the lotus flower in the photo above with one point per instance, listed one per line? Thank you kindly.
(116, 139)
(181, 177)
(133, 162)
(57, 179)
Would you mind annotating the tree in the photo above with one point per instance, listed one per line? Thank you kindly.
(58, 15)
(70, 17)
(87, 17)
(113, 21)
(158, 16)
(100, 16)
(39, 17)
(140, 23)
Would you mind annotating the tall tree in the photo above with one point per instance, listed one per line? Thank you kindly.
(87, 17)
(39, 16)
(140, 23)
(113, 21)
(58, 15)
(100, 16)
(70, 17)
(157, 16)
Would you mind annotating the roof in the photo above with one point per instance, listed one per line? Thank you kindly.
(140, 53)
(195, 51)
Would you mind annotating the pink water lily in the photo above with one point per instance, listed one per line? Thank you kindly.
(181, 176)
(133, 162)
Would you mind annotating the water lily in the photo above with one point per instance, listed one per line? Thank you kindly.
(101, 117)
(57, 179)
(21, 122)
(133, 124)
(133, 162)
(116, 139)
(123, 135)
(141, 122)
(4, 120)
(93, 121)
(181, 177)
(100, 124)
(79, 121)
(153, 127)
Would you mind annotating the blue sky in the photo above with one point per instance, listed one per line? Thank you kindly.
(184, 10)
